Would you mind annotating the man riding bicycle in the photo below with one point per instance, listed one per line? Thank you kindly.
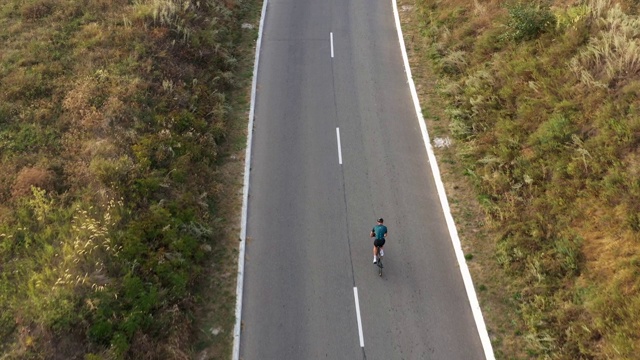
(379, 232)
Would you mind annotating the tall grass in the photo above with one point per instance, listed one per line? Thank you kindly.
(614, 53)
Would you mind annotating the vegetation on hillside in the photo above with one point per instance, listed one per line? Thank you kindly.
(543, 104)
(113, 121)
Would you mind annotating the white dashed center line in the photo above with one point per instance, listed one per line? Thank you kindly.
(331, 36)
(339, 147)
(355, 293)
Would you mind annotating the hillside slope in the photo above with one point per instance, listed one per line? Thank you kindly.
(117, 120)
(543, 110)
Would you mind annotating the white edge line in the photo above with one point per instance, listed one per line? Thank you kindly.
(355, 294)
(235, 355)
(464, 270)
(331, 36)
(339, 146)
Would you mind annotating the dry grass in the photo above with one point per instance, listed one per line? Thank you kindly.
(30, 177)
(613, 55)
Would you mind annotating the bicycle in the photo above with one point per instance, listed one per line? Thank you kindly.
(379, 260)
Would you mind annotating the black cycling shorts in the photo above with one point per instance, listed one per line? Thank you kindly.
(378, 242)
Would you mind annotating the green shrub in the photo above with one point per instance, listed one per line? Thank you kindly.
(552, 135)
(633, 219)
(101, 331)
(29, 138)
(527, 21)
(569, 254)
(115, 173)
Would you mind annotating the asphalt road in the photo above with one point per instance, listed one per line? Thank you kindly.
(337, 64)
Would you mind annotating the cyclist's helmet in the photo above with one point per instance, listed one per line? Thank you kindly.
(380, 220)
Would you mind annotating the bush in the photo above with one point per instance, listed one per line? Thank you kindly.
(37, 10)
(552, 135)
(527, 21)
(28, 138)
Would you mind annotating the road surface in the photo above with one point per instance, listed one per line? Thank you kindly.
(336, 144)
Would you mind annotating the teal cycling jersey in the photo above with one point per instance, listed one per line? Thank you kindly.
(380, 231)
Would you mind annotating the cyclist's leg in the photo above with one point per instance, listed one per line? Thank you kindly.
(376, 244)
(381, 247)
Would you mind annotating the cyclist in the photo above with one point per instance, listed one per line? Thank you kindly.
(379, 232)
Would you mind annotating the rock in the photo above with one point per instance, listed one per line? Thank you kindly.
(442, 142)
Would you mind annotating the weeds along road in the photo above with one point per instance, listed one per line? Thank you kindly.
(336, 145)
